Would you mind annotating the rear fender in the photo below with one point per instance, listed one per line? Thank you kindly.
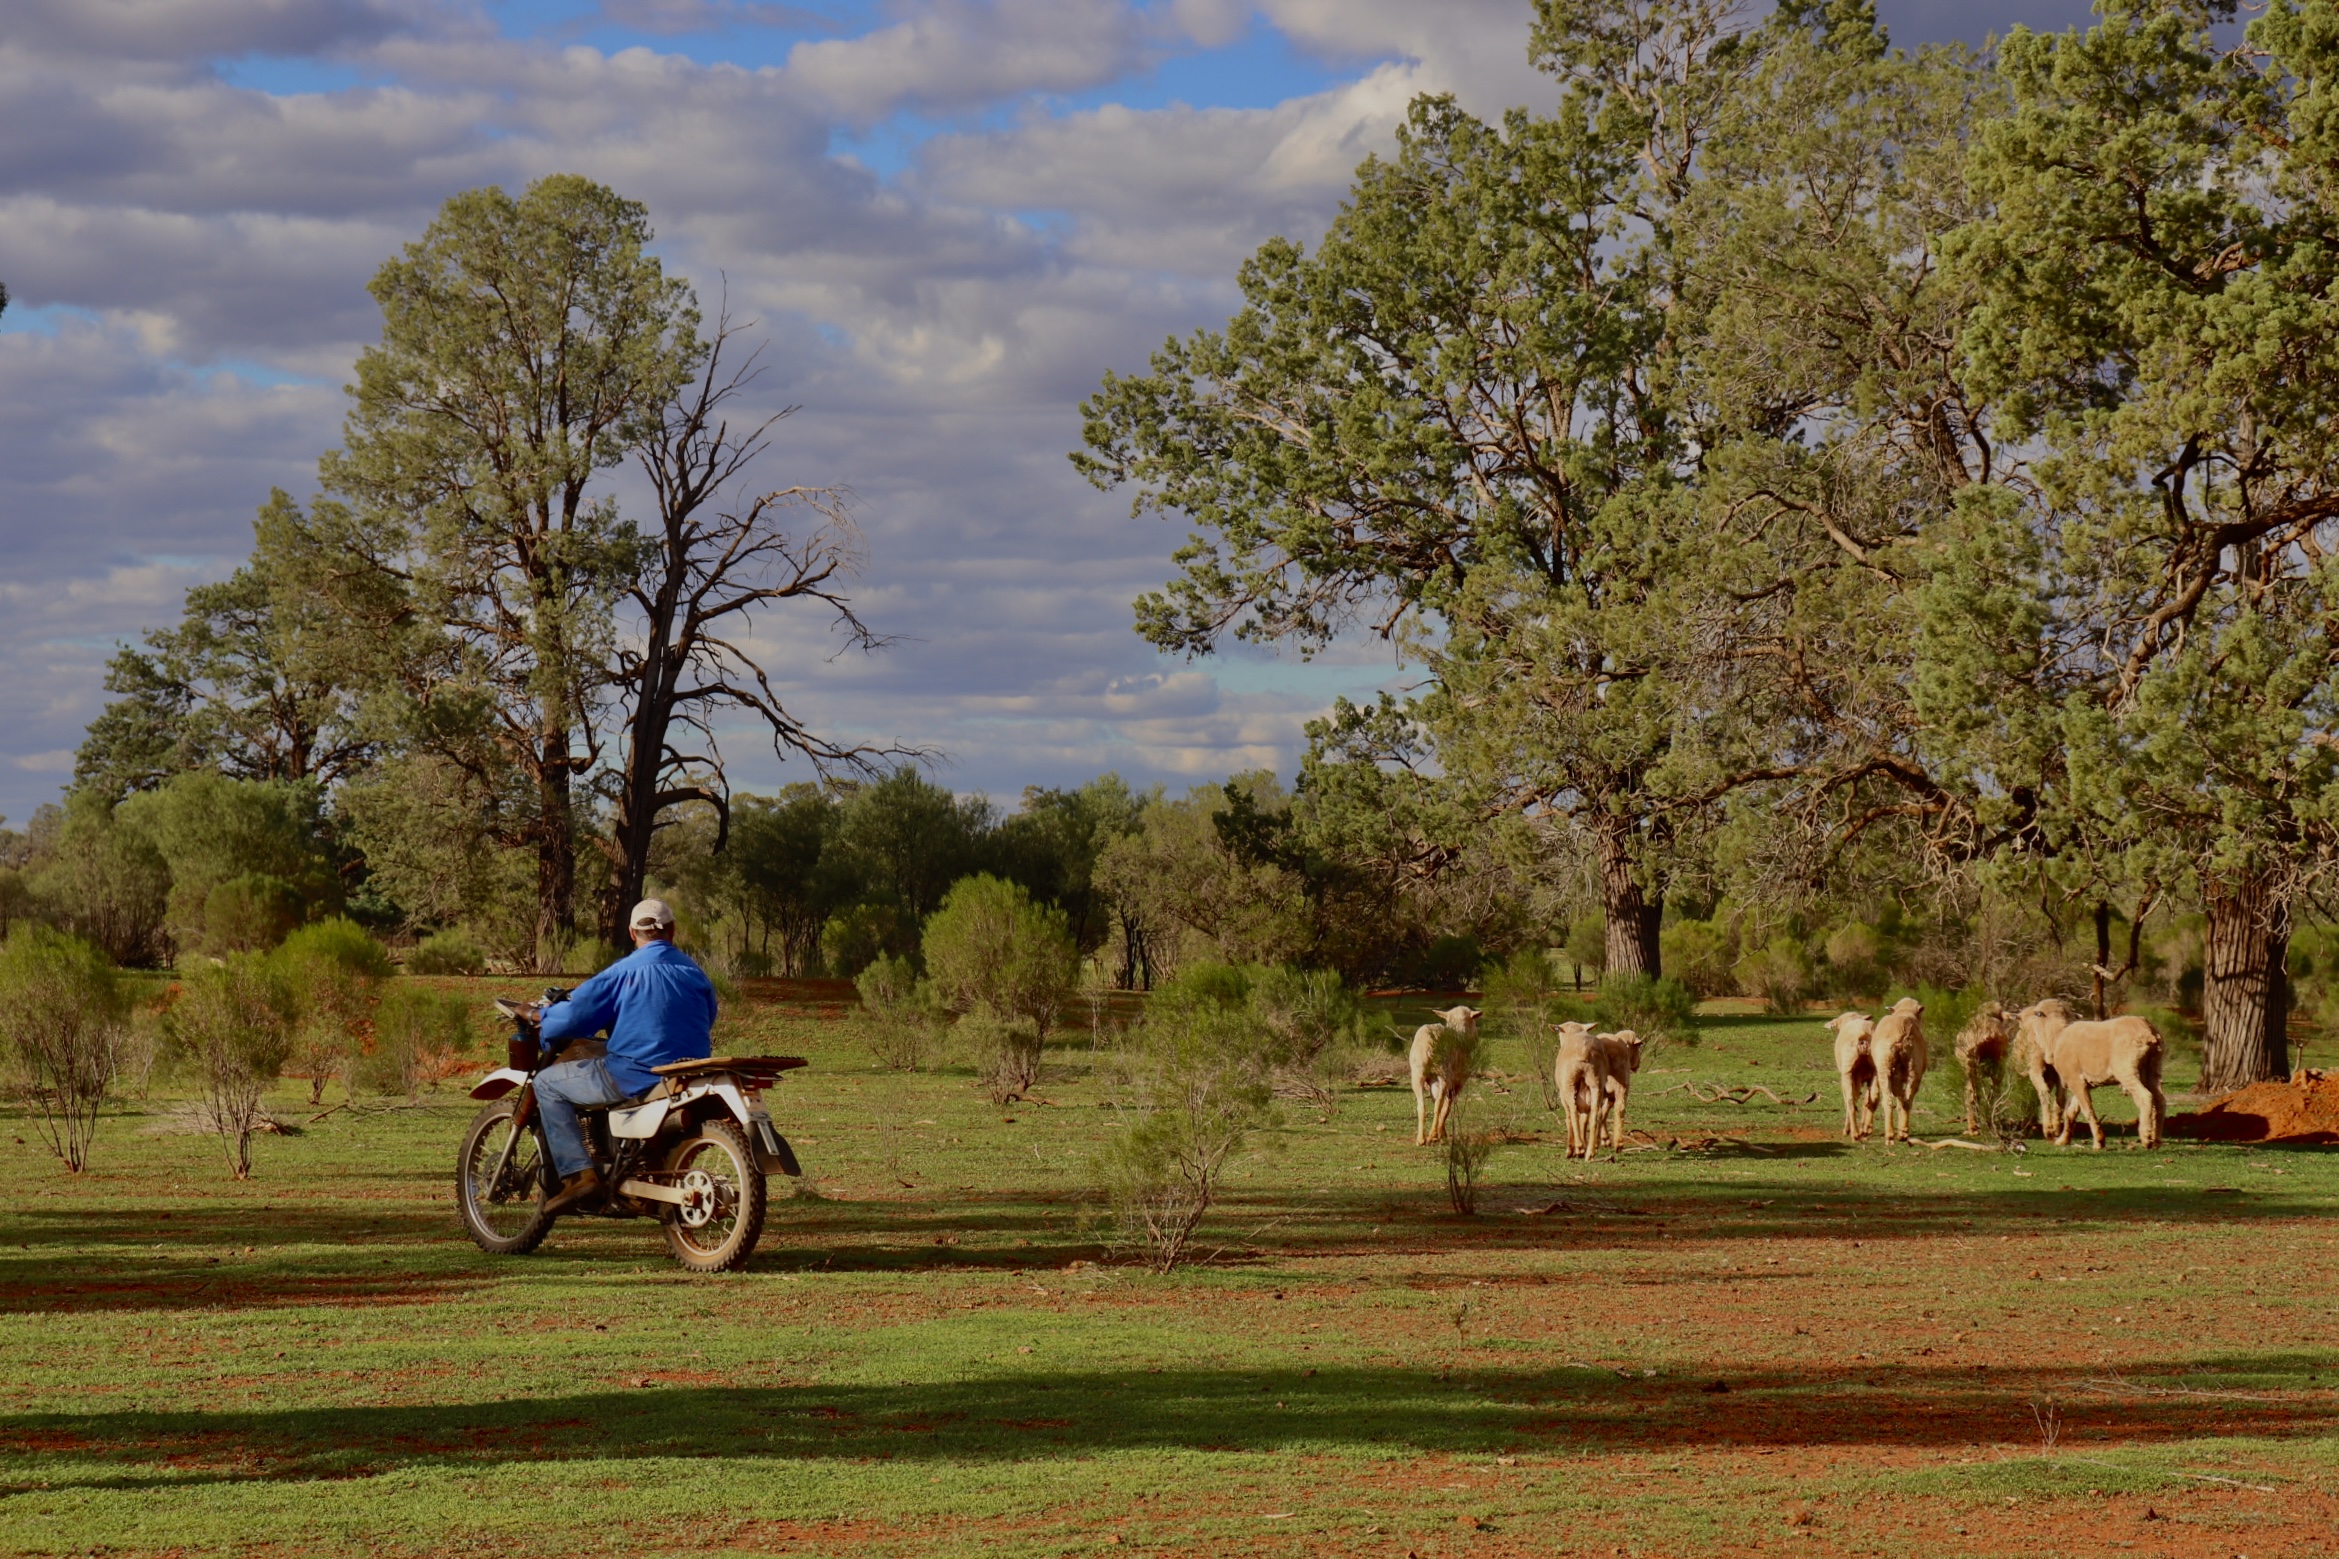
(498, 1083)
(722, 1098)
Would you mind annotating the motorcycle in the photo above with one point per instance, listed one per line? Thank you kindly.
(692, 1152)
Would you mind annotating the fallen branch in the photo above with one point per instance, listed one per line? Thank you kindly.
(1955, 1142)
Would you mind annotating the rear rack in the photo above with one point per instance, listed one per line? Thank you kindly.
(758, 1070)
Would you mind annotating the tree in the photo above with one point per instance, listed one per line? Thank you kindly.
(62, 1010)
(2157, 276)
(248, 683)
(774, 883)
(1460, 416)
(336, 973)
(705, 575)
(527, 345)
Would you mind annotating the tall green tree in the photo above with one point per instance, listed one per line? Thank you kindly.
(528, 343)
(1459, 422)
(2158, 274)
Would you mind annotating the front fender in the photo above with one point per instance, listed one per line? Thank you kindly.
(498, 1083)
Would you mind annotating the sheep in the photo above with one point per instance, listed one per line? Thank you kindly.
(2032, 1026)
(1855, 1069)
(1624, 1059)
(2126, 1051)
(1982, 1048)
(1442, 1053)
(1897, 1050)
(1582, 1075)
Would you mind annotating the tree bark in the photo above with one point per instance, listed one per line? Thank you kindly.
(1633, 915)
(2245, 992)
(556, 854)
(2103, 952)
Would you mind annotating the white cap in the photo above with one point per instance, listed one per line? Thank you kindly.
(651, 915)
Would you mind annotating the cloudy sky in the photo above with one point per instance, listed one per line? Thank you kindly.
(949, 218)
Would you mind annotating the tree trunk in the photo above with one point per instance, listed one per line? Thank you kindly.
(1633, 916)
(2103, 953)
(2245, 993)
(556, 855)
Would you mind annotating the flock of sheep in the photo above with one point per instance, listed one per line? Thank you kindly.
(1880, 1061)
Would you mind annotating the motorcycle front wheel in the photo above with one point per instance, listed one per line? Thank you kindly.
(716, 1230)
(505, 1218)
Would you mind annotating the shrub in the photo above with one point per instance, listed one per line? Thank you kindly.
(104, 881)
(63, 1016)
(990, 946)
(1698, 954)
(1469, 1144)
(1780, 974)
(1858, 959)
(452, 951)
(1305, 1013)
(232, 1030)
(1451, 963)
(899, 1014)
(335, 971)
(419, 1035)
(1006, 1053)
(1197, 1093)
(1656, 1009)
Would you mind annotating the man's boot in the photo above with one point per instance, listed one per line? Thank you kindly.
(574, 1192)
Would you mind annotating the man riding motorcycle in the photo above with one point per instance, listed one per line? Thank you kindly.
(658, 1007)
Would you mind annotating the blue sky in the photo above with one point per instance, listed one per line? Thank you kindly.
(949, 217)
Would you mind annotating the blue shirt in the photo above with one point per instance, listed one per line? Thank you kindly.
(658, 1006)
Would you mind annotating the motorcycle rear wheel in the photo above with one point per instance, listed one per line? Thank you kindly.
(515, 1224)
(717, 1155)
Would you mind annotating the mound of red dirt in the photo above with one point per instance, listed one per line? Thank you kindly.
(2305, 1109)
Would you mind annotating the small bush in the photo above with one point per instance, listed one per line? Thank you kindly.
(63, 1021)
(1523, 1000)
(1451, 963)
(231, 1029)
(1780, 974)
(1698, 953)
(899, 1014)
(335, 971)
(1469, 1143)
(1006, 1053)
(856, 938)
(1197, 1094)
(1657, 1009)
(991, 946)
(452, 951)
(1305, 1013)
(419, 1037)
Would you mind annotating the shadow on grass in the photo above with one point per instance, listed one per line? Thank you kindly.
(1083, 1412)
(419, 1255)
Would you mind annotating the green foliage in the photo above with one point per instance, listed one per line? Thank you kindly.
(1469, 1144)
(417, 1031)
(1653, 1008)
(261, 841)
(861, 935)
(1006, 1052)
(1306, 1014)
(452, 951)
(335, 971)
(1700, 955)
(1780, 973)
(230, 1030)
(903, 1018)
(990, 947)
(63, 1020)
(102, 879)
(1196, 1094)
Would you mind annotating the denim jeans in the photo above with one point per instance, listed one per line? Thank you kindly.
(560, 1089)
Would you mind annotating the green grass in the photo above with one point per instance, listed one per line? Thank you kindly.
(942, 1352)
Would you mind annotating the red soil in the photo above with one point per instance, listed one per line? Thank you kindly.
(2305, 1109)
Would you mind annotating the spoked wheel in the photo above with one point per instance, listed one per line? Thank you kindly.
(505, 1217)
(716, 1228)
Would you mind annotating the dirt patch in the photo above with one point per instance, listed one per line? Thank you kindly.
(2305, 1109)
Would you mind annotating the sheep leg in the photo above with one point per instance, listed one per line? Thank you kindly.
(2083, 1103)
(1420, 1116)
(2149, 1107)
(1616, 1121)
(1973, 1098)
